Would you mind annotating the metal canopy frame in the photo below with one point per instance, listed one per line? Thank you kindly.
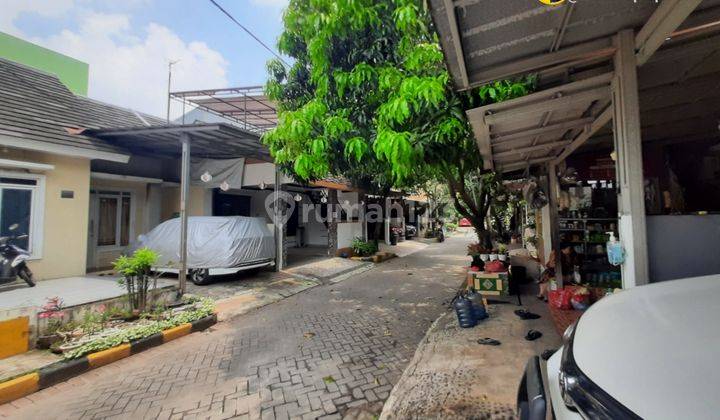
(485, 41)
(546, 127)
(212, 141)
(216, 141)
(536, 128)
(248, 107)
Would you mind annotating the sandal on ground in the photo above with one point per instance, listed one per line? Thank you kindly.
(488, 341)
(522, 313)
(533, 335)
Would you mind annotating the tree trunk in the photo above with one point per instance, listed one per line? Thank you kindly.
(484, 235)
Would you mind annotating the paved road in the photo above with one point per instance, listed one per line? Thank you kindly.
(332, 351)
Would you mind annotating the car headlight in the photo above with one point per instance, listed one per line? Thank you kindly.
(580, 393)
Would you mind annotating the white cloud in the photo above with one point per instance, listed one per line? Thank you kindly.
(129, 68)
(12, 9)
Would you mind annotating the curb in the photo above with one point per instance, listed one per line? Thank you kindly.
(65, 369)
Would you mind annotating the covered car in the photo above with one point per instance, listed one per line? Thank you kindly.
(216, 245)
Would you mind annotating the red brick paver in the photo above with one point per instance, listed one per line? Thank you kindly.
(326, 351)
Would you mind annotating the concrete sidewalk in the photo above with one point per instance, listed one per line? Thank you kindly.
(452, 376)
(73, 291)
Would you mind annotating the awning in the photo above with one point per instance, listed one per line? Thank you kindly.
(212, 141)
(486, 40)
(570, 48)
(535, 129)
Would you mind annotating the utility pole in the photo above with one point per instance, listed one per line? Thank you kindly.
(170, 64)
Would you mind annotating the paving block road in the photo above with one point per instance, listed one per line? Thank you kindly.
(333, 351)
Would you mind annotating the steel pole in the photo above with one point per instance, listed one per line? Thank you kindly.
(184, 193)
(277, 222)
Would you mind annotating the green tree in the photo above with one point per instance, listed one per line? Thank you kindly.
(369, 97)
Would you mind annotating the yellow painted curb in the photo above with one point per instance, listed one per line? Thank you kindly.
(19, 387)
(104, 357)
(177, 332)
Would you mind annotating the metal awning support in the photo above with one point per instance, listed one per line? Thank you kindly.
(184, 193)
(629, 165)
(278, 221)
(589, 131)
(536, 128)
(553, 192)
(666, 19)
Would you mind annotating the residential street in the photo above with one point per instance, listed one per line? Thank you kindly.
(335, 350)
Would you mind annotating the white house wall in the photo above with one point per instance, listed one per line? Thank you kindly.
(347, 231)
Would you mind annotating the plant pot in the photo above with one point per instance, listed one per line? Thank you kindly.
(476, 261)
(45, 341)
(502, 257)
(493, 257)
(485, 257)
(393, 239)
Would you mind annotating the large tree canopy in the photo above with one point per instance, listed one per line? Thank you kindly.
(369, 97)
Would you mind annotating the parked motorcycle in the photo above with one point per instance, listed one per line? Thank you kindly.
(13, 260)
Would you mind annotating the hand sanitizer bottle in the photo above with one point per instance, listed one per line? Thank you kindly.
(616, 254)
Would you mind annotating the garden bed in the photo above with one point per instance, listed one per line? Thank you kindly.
(105, 329)
(114, 344)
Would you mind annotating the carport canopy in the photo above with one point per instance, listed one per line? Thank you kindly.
(210, 141)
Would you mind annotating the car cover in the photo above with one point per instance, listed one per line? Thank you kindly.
(213, 242)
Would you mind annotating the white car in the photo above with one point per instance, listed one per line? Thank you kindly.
(216, 245)
(650, 352)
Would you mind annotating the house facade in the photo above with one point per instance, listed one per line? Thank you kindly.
(82, 199)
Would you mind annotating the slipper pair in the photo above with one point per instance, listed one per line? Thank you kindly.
(488, 341)
(522, 313)
(533, 335)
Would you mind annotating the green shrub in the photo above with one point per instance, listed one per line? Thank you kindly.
(363, 248)
(135, 270)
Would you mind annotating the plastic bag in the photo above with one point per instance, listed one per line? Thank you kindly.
(560, 299)
(495, 267)
(580, 299)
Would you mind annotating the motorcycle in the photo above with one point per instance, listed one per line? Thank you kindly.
(13, 260)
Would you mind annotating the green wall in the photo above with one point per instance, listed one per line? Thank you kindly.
(73, 73)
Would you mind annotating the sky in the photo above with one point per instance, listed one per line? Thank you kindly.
(128, 43)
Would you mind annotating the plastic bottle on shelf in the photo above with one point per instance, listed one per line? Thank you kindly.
(615, 252)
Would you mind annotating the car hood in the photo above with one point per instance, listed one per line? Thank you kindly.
(655, 348)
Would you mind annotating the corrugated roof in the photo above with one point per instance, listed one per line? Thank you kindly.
(212, 141)
(485, 40)
(36, 107)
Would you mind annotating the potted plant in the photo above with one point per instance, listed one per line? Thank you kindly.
(502, 252)
(478, 254)
(53, 312)
(395, 233)
(362, 248)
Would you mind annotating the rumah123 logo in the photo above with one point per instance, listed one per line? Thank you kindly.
(552, 2)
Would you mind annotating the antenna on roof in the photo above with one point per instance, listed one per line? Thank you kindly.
(170, 64)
